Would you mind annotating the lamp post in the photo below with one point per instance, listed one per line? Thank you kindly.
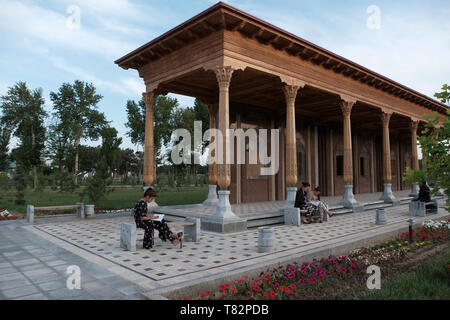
(411, 223)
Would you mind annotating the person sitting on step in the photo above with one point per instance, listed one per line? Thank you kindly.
(301, 200)
(322, 206)
(144, 219)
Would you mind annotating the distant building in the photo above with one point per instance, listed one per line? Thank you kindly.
(11, 169)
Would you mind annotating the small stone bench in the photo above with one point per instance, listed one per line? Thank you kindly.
(191, 232)
(418, 208)
(79, 206)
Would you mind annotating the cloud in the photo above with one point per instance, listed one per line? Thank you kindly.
(128, 86)
(49, 28)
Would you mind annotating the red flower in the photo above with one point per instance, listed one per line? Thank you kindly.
(267, 278)
(255, 287)
(224, 287)
(292, 287)
(266, 295)
(273, 294)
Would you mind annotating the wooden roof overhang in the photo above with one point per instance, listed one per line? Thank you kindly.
(225, 17)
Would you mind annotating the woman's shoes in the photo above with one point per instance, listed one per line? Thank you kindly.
(180, 238)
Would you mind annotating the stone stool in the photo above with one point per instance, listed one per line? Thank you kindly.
(381, 218)
(266, 239)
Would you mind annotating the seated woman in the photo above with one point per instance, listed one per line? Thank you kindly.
(146, 206)
(301, 200)
(323, 208)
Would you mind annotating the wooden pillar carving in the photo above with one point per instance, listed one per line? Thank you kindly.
(346, 107)
(414, 156)
(149, 157)
(387, 171)
(224, 75)
(290, 93)
(212, 108)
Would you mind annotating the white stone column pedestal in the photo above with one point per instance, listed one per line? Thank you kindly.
(223, 219)
(388, 196)
(414, 191)
(212, 196)
(291, 193)
(349, 201)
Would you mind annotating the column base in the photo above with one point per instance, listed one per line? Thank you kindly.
(414, 191)
(388, 196)
(292, 217)
(349, 201)
(212, 196)
(291, 193)
(223, 220)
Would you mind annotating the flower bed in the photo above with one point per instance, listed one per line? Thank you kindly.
(295, 281)
(431, 232)
(5, 215)
(286, 282)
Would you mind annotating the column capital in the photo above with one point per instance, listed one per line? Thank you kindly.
(149, 98)
(413, 125)
(290, 93)
(346, 107)
(212, 108)
(223, 75)
(385, 117)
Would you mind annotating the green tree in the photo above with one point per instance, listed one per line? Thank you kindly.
(136, 121)
(163, 123)
(24, 115)
(5, 136)
(77, 113)
(444, 95)
(97, 186)
(435, 144)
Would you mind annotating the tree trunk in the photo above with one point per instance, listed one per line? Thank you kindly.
(75, 180)
(35, 178)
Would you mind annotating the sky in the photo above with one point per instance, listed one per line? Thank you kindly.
(42, 43)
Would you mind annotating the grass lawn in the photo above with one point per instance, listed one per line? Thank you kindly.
(430, 281)
(120, 198)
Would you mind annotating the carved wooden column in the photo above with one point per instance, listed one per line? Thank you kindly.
(223, 219)
(149, 157)
(348, 200)
(387, 195)
(212, 167)
(290, 93)
(414, 157)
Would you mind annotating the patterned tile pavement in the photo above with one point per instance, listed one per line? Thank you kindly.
(215, 253)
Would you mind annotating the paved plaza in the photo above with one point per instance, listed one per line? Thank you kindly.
(34, 258)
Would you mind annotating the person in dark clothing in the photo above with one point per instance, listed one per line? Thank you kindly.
(146, 222)
(301, 199)
(424, 193)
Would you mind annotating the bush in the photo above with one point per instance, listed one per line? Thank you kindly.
(4, 182)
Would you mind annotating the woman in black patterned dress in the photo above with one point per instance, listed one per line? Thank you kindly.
(146, 222)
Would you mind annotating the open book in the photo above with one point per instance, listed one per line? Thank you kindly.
(160, 217)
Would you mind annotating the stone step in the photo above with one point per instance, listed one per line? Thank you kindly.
(265, 222)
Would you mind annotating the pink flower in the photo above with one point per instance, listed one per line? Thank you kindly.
(312, 280)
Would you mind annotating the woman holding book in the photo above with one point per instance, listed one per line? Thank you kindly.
(144, 218)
